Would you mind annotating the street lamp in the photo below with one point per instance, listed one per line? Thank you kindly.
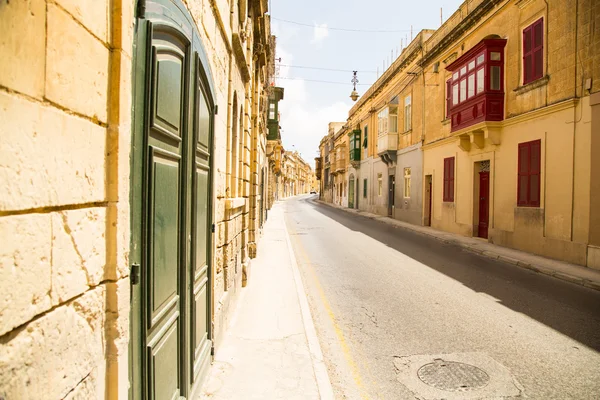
(354, 94)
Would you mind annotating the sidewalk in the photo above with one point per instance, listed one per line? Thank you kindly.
(562, 270)
(271, 350)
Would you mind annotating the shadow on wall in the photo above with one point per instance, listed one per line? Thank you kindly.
(570, 309)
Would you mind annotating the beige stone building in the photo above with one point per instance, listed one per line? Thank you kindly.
(508, 136)
(126, 236)
(484, 128)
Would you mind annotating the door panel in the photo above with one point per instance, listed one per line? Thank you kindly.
(391, 195)
(165, 216)
(201, 318)
(351, 194)
(484, 203)
(171, 207)
(164, 361)
(168, 60)
(163, 246)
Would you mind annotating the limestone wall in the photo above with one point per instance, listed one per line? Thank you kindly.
(65, 101)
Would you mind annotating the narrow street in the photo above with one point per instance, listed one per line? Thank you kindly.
(385, 300)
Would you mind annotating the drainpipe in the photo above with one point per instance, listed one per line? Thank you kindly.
(575, 121)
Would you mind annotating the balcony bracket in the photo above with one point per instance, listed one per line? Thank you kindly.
(464, 142)
(477, 139)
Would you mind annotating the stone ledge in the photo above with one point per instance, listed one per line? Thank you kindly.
(543, 81)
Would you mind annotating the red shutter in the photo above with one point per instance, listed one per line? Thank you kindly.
(534, 173)
(528, 175)
(448, 97)
(538, 49)
(527, 55)
(533, 51)
(451, 180)
(523, 174)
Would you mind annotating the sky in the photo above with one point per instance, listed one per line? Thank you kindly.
(309, 106)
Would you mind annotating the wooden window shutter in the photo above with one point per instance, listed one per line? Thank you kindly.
(534, 173)
(529, 173)
(538, 49)
(448, 97)
(527, 55)
(451, 180)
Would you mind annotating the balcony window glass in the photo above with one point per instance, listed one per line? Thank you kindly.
(480, 59)
(455, 99)
(455, 76)
(407, 113)
(463, 90)
(463, 71)
(495, 78)
(471, 86)
(495, 56)
(271, 110)
(480, 80)
(393, 125)
(472, 65)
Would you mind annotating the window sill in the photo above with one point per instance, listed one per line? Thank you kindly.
(406, 132)
(543, 81)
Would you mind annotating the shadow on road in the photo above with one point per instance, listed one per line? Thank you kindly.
(570, 309)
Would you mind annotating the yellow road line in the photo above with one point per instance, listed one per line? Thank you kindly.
(338, 331)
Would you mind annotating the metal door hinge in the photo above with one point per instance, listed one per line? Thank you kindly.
(216, 109)
(135, 274)
(141, 9)
(212, 228)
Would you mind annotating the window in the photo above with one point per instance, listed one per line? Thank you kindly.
(393, 126)
(271, 110)
(407, 114)
(406, 182)
(382, 122)
(380, 184)
(533, 51)
(528, 190)
(448, 97)
(365, 188)
(449, 179)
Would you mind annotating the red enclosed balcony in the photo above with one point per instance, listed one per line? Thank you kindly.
(475, 92)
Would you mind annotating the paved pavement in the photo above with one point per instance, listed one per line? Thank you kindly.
(270, 350)
(402, 315)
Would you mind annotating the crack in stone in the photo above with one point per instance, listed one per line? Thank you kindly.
(76, 248)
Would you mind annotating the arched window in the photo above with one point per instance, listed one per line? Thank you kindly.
(241, 153)
(233, 151)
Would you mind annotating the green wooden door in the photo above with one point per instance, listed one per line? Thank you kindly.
(351, 192)
(171, 208)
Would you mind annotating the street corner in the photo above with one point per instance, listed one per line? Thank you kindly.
(456, 376)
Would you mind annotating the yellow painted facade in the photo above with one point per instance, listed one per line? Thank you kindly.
(400, 171)
(68, 78)
(554, 109)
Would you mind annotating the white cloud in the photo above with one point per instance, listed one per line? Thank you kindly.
(320, 32)
(303, 124)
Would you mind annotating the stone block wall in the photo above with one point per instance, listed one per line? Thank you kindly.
(65, 101)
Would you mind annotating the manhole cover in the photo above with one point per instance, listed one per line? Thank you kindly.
(453, 376)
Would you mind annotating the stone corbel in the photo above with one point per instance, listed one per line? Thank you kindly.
(493, 134)
(478, 139)
(464, 142)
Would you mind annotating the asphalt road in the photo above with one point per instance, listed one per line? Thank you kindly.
(387, 302)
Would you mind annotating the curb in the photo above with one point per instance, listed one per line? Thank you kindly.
(541, 269)
(319, 367)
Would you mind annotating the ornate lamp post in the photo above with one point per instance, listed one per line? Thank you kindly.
(354, 94)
